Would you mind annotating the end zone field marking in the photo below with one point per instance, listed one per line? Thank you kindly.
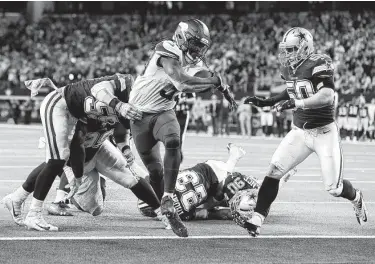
(175, 237)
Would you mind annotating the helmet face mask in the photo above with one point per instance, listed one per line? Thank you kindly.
(296, 46)
(193, 38)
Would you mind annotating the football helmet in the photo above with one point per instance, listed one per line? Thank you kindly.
(193, 39)
(242, 205)
(296, 46)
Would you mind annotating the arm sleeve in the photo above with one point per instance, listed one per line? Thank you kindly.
(279, 97)
(77, 150)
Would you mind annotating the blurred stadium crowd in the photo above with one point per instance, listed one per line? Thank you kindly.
(68, 48)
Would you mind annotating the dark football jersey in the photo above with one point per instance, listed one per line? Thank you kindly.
(363, 112)
(236, 182)
(343, 110)
(193, 187)
(353, 110)
(313, 74)
(97, 133)
(82, 104)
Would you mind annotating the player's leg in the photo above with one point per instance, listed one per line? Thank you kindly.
(291, 152)
(149, 153)
(269, 124)
(328, 149)
(112, 164)
(167, 130)
(14, 201)
(57, 124)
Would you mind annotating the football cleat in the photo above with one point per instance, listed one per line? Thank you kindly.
(360, 208)
(253, 225)
(164, 220)
(35, 221)
(14, 208)
(167, 209)
(59, 209)
(235, 151)
(145, 209)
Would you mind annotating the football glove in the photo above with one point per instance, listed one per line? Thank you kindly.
(232, 103)
(222, 86)
(288, 104)
(257, 101)
(128, 111)
(128, 154)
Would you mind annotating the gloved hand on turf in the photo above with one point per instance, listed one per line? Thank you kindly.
(257, 101)
(128, 154)
(128, 111)
(74, 186)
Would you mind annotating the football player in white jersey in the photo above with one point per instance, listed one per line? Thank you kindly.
(310, 92)
(153, 94)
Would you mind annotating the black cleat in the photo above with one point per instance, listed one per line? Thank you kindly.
(167, 209)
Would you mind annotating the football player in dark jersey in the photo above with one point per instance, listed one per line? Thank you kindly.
(310, 92)
(353, 119)
(364, 121)
(104, 99)
(342, 118)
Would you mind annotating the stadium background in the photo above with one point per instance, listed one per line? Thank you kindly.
(69, 41)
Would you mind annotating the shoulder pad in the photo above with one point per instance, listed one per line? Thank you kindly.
(167, 48)
(323, 66)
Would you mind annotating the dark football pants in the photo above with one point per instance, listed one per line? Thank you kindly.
(147, 132)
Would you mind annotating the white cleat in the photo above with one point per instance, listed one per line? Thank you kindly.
(14, 208)
(35, 221)
(360, 208)
(164, 220)
(235, 151)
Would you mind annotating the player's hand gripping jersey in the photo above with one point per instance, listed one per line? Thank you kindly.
(153, 91)
(312, 74)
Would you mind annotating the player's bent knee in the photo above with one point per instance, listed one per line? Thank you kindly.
(275, 172)
(334, 190)
(172, 142)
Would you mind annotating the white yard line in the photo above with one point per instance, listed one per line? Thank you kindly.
(58, 238)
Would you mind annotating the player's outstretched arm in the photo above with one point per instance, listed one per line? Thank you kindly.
(104, 92)
(184, 82)
(260, 102)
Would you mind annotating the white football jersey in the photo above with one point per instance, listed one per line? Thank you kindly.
(150, 88)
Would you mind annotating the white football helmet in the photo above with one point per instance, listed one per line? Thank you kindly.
(297, 45)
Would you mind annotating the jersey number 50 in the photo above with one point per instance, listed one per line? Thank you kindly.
(300, 89)
(192, 191)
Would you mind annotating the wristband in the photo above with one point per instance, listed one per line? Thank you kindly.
(115, 101)
(299, 104)
(126, 147)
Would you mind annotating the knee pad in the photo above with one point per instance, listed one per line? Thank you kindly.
(335, 191)
(275, 172)
(172, 142)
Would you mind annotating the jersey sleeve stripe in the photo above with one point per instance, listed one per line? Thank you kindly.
(167, 54)
(320, 68)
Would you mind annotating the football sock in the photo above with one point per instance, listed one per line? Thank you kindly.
(29, 184)
(172, 160)
(63, 183)
(267, 194)
(60, 195)
(36, 204)
(46, 177)
(20, 194)
(157, 184)
(348, 191)
(144, 192)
